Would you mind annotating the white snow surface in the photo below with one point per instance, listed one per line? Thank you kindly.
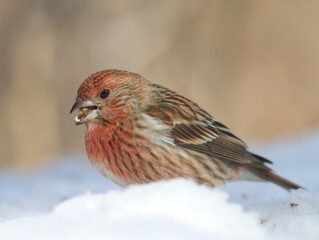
(70, 200)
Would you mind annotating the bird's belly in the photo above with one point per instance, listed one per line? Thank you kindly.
(109, 175)
(129, 160)
(143, 164)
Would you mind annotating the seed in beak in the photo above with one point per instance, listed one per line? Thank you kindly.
(77, 120)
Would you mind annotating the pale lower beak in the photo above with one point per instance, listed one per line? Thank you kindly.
(87, 111)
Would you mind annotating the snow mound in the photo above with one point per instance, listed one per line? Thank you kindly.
(177, 209)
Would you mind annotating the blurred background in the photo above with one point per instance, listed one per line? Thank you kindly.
(252, 64)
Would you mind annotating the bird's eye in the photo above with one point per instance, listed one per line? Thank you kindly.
(104, 93)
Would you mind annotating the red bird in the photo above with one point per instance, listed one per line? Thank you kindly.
(140, 132)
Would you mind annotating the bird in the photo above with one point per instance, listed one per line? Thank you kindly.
(139, 132)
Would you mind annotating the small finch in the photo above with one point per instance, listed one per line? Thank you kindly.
(140, 132)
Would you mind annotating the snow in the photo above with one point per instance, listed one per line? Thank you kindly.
(71, 200)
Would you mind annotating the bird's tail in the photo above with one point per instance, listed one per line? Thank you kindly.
(268, 175)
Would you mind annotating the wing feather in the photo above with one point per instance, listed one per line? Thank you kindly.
(194, 129)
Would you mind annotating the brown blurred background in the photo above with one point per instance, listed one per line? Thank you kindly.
(252, 64)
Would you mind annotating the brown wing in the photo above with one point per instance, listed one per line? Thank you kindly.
(194, 129)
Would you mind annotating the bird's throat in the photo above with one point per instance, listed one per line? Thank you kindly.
(105, 140)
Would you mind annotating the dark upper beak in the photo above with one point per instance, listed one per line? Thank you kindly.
(78, 104)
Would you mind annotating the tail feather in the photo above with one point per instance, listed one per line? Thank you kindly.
(268, 175)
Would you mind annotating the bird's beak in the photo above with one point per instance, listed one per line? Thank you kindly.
(78, 104)
(87, 110)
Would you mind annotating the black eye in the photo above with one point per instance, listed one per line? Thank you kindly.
(104, 93)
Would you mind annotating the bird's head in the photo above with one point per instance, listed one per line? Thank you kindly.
(110, 96)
